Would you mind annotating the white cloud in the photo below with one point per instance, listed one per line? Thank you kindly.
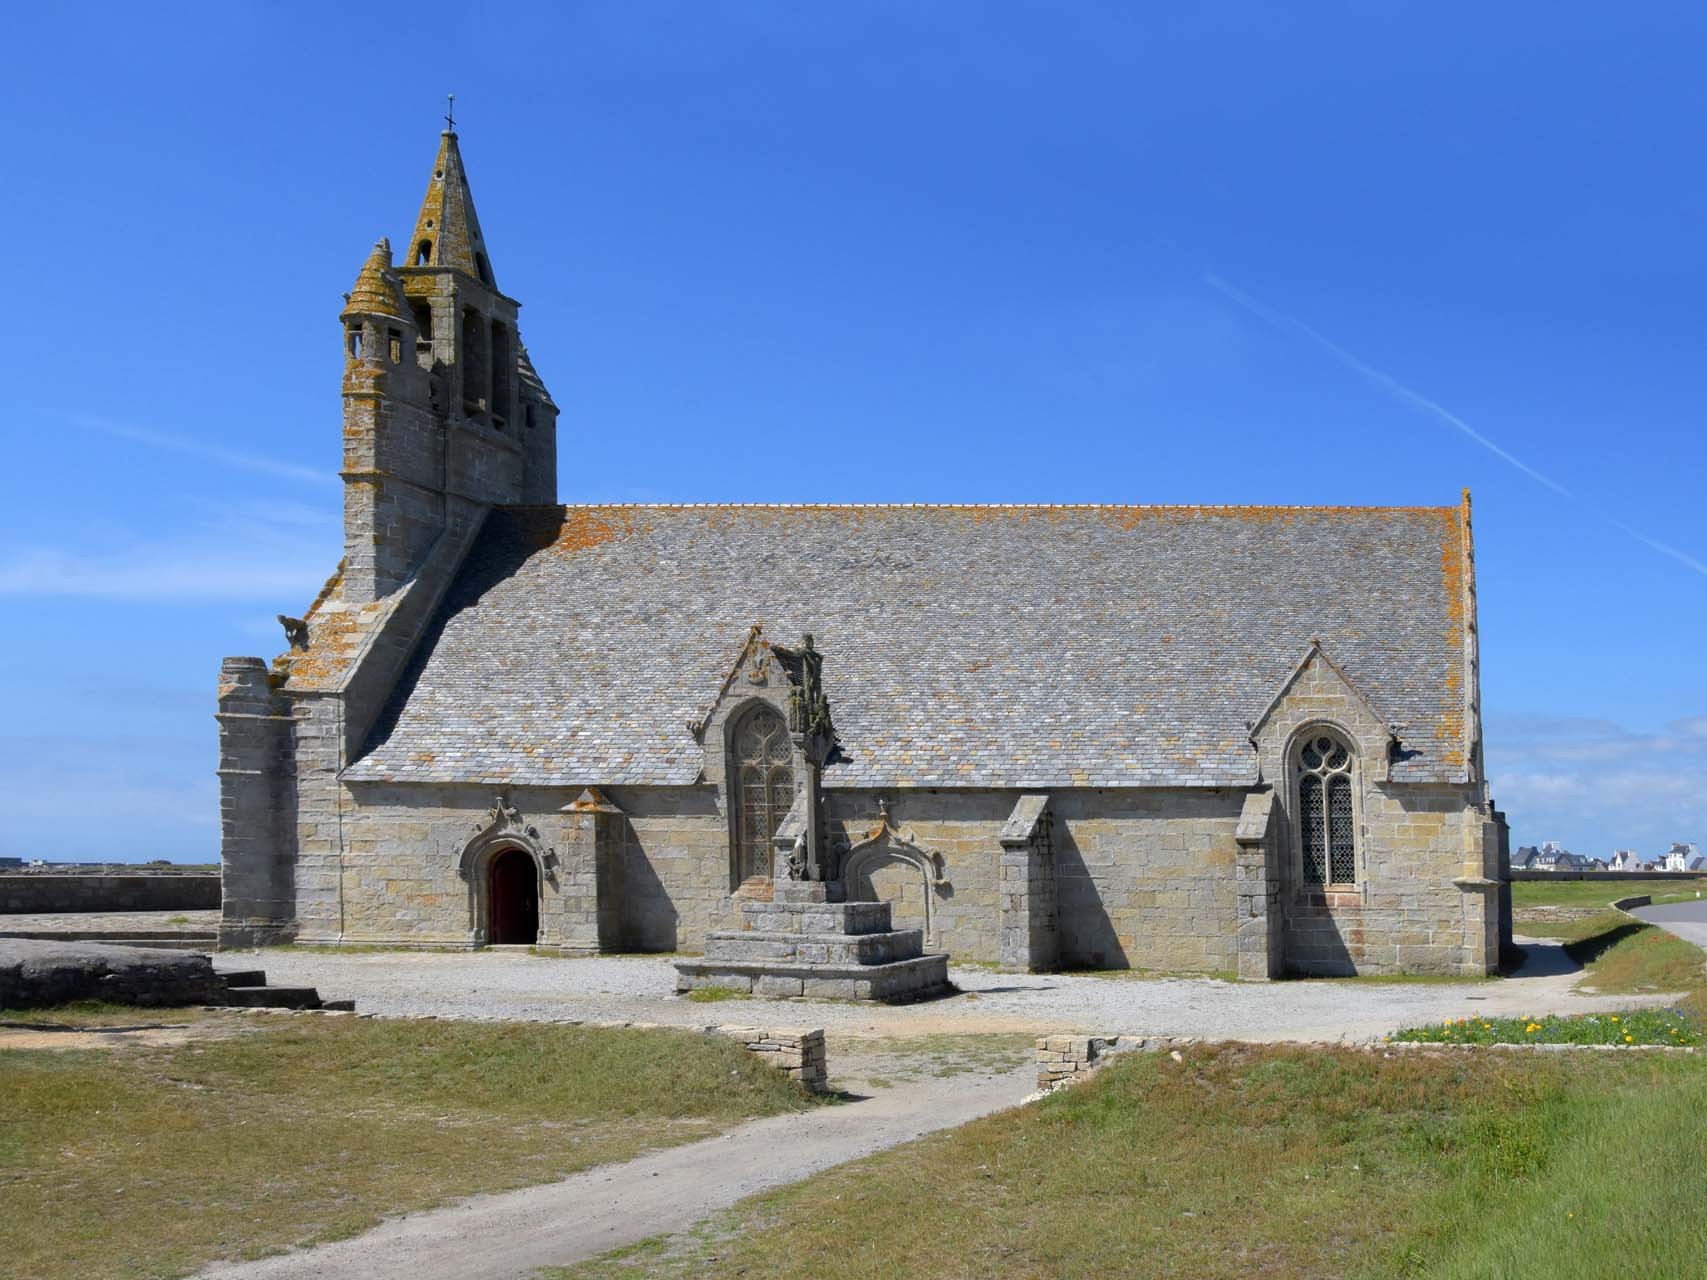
(134, 797)
(202, 449)
(257, 550)
(156, 573)
(1597, 785)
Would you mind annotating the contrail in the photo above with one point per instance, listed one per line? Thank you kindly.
(1663, 548)
(200, 449)
(1280, 320)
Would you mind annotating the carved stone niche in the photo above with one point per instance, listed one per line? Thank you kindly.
(887, 845)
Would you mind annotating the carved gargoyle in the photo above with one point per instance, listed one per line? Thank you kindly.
(296, 632)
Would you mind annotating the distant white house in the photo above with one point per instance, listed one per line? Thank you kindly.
(1625, 860)
(1684, 857)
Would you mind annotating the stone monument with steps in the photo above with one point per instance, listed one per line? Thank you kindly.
(803, 940)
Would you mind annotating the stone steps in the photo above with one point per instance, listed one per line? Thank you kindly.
(816, 948)
(803, 940)
(248, 989)
(898, 981)
(816, 917)
(272, 997)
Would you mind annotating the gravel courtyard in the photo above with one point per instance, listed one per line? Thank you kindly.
(517, 985)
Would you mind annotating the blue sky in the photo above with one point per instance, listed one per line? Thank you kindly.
(1359, 253)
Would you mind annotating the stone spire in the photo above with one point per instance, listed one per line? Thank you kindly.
(447, 234)
(377, 292)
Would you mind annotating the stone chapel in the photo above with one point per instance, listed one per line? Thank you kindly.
(1217, 740)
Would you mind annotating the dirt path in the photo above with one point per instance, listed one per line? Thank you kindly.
(500, 1237)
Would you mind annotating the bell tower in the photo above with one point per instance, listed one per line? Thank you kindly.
(444, 414)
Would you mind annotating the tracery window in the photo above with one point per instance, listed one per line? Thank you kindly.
(763, 758)
(1327, 828)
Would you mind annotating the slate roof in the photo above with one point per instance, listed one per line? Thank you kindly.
(1037, 647)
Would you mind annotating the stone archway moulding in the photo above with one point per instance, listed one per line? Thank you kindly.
(503, 828)
(888, 843)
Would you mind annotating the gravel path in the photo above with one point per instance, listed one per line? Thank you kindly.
(513, 1234)
(514, 985)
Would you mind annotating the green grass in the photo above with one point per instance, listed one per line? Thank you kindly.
(1661, 899)
(1623, 955)
(716, 995)
(1527, 894)
(1672, 1027)
(1242, 1161)
(87, 1014)
(149, 1162)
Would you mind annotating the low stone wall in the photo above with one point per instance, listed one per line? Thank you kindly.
(27, 894)
(794, 1051)
(1067, 1059)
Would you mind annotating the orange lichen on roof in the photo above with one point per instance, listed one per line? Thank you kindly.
(583, 528)
(1132, 516)
(1125, 516)
(336, 634)
(331, 585)
(332, 638)
(377, 291)
(447, 228)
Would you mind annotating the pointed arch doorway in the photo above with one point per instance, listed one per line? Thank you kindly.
(512, 899)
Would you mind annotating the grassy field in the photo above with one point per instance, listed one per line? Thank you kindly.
(1526, 894)
(1619, 953)
(148, 1162)
(1244, 1160)
(1672, 1028)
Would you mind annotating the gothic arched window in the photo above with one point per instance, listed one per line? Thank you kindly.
(1327, 828)
(763, 758)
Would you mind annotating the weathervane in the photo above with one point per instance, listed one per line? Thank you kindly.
(450, 113)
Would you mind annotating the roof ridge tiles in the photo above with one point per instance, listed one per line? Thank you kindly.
(984, 506)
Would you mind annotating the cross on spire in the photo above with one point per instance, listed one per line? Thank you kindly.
(450, 113)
